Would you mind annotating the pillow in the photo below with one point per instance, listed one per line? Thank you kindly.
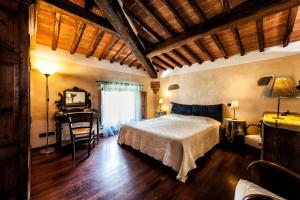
(181, 109)
(212, 111)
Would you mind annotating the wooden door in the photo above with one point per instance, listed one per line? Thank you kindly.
(14, 100)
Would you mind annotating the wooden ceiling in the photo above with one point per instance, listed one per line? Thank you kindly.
(163, 34)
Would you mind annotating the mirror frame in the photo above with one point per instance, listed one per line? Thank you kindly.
(61, 103)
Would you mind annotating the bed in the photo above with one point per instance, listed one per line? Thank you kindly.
(177, 139)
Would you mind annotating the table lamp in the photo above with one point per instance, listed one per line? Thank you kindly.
(161, 101)
(235, 105)
(281, 87)
(47, 71)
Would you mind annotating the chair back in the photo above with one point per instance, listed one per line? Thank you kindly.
(275, 178)
(80, 120)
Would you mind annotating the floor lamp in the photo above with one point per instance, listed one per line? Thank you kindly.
(47, 72)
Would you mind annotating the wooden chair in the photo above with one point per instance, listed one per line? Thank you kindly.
(81, 129)
(268, 181)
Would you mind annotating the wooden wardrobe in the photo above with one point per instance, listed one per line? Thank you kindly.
(14, 100)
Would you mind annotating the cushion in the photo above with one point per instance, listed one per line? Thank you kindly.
(181, 109)
(80, 131)
(244, 188)
(212, 111)
(253, 140)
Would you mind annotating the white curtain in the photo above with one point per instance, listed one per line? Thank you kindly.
(120, 104)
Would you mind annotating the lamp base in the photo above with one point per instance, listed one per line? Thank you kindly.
(47, 150)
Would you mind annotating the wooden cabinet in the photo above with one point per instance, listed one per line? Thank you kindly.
(14, 100)
(281, 143)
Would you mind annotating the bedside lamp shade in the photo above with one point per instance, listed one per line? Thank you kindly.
(235, 104)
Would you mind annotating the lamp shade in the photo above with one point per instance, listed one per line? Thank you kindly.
(235, 104)
(281, 87)
(160, 101)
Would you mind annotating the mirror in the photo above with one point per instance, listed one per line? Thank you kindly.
(75, 98)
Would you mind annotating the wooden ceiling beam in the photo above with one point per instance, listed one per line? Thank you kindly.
(219, 45)
(182, 57)
(242, 14)
(132, 63)
(197, 9)
(106, 51)
(113, 59)
(143, 25)
(290, 25)
(159, 66)
(125, 58)
(177, 16)
(116, 17)
(155, 18)
(260, 34)
(226, 6)
(204, 50)
(172, 60)
(79, 32)
(75, 9)
(164, 62)
(192, 54)
(95, 43)
(56, 29)
(238, 40)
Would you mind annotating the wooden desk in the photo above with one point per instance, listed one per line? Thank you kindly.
(62, 118)
(281, 140)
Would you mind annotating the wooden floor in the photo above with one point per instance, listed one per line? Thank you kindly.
(115, 172)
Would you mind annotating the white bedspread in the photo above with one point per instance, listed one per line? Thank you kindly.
(176, 140)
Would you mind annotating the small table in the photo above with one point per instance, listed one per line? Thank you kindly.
(233, 128)
(160, 113)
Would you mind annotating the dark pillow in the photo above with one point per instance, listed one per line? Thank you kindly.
(212, 111)
(181, 109)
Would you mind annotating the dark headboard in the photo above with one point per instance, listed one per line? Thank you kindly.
(212, 111)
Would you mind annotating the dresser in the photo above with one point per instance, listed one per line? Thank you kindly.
(281, 140)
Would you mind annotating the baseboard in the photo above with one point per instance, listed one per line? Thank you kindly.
(42, 147)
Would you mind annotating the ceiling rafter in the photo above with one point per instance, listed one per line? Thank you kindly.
(108, 48)
(79, 32)
(192, 54)
(171, 59)
(226, 6)
(238, 40)
(83, 13)
(182, 57)
(125, 58)
(195, 6)
(113, 59)
(204, 50)
(164, 62)
(56, 30)
(159, 66)
(214, 37)
(260, 34)
(290, 25)
(132, 62)
(243, 13)
(118, 20)
(95, 43)
(143, 25)
(177, 16)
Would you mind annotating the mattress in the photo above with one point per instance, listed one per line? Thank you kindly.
(175, 140)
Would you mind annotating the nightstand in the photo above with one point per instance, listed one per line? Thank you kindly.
(234, 129)
(160, 113)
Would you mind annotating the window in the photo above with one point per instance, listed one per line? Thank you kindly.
(120, 104)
